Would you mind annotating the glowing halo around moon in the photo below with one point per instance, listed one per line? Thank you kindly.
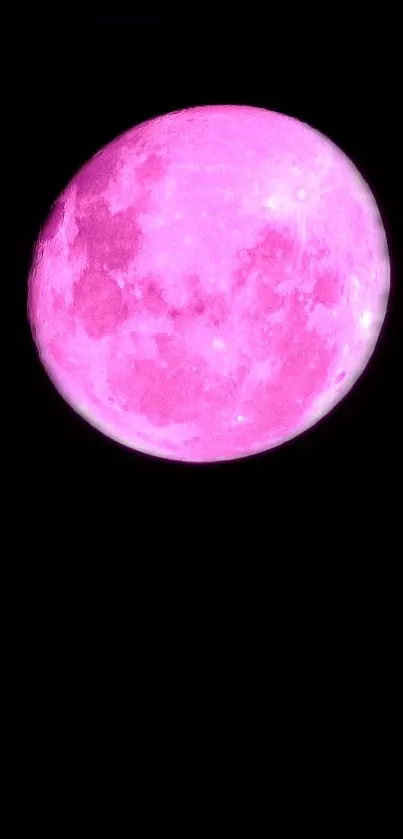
(210, 284)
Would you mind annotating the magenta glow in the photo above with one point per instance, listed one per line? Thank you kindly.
(210, 284)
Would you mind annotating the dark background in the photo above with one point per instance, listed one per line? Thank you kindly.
(72, 79)
(92, 656)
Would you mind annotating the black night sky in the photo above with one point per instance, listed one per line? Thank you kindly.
(71, 82)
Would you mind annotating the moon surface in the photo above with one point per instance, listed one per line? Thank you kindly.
(210, 284)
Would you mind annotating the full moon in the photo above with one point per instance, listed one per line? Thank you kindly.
(210, 284)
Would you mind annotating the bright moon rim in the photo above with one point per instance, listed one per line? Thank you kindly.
(210, 284)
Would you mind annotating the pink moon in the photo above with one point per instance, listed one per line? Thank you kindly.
(210, 284)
